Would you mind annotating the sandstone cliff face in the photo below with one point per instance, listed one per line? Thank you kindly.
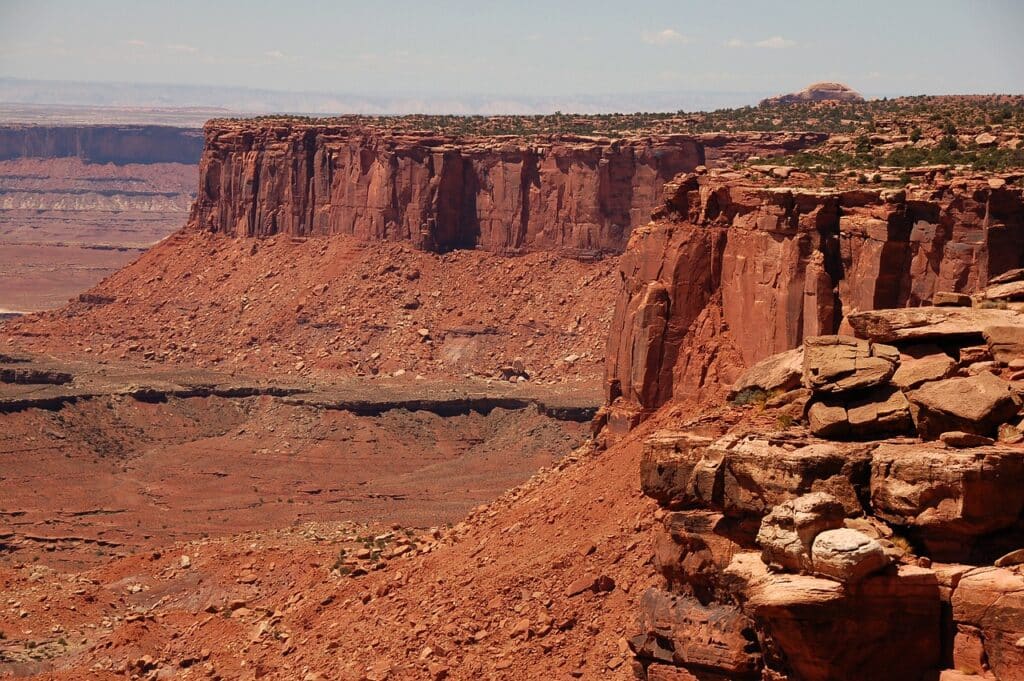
(439, 192)
(119, 144)
(731, 273)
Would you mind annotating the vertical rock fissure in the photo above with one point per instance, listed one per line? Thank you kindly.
(310, 157)
(829, 235)
(529, 176)
(254, 205)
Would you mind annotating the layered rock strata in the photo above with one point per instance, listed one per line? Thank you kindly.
(854, 510)
(731, 272)
(505, 195)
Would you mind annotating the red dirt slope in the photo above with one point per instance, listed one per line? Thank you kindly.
(337, 305)
(495, 598)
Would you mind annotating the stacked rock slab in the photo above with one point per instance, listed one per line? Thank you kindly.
(852, 398)
(960, 375)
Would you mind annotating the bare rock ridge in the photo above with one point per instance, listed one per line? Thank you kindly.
(732, 272)
(118, 144)
(504, 195)
(817, 92)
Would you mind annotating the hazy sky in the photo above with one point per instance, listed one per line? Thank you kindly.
(522, 47)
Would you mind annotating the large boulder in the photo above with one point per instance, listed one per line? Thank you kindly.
(667, 466)
(957, 439)
(1006, 343)
(789, 530)
(878, 413)
(679, 629)
(977, 404)
(828, 419)
(948, 497)
(988, 607)
(951, 299)
(837, 364)
(885, 627)
(1008, 276)
(929, 323)
(1011, 290)
(778, 373)
(847, 555)
(916, 371)
(747, 475)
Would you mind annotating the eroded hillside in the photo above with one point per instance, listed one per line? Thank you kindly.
(809, 463)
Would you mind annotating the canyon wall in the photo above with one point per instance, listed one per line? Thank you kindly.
(732, 272)
(118, 144)
(505, 195)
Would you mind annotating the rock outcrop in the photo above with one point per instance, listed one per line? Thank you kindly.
(819, 592)
(732, 272)
(988, 607)
(505, 195)
(889, 519)
(956, 502)
(786, 556)
(817, 92)
(723, 149)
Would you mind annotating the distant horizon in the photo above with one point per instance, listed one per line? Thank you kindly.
(253, 100)
(154, 84)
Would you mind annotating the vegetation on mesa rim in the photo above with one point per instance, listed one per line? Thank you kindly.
(867, 156)
(902, 116)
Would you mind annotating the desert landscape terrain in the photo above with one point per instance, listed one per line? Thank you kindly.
(713, 395)
(79, 199)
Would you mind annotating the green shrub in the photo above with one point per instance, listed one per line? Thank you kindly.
(752, 395)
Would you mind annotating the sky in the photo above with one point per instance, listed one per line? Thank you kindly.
(521, 48)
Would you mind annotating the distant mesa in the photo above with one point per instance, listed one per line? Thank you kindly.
(817, 92)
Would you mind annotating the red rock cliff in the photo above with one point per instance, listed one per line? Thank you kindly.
(440, 192)
(731, 272)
